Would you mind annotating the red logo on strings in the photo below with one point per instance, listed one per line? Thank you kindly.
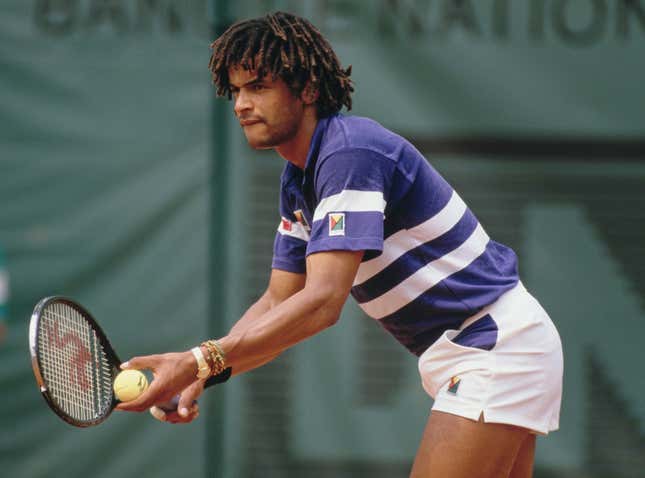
(79, 360)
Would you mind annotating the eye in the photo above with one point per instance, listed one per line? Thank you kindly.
(257, 87)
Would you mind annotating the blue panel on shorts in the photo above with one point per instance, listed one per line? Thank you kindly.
(481, 334)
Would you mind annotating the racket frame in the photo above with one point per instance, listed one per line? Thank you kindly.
(34, 350)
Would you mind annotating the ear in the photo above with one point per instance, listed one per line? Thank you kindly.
(309, 94)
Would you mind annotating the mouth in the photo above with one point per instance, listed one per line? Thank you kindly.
(249, 122)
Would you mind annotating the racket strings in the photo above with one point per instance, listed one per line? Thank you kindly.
(75, 367)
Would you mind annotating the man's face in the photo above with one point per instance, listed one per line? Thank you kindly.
(267, 110)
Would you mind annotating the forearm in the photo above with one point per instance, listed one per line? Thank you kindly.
(297, 308)
(295, 319)
(253, 313)
(249, 363)
(282, 285)
(250, 317)
(260, 307)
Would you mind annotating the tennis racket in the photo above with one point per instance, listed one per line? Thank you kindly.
(75, 364)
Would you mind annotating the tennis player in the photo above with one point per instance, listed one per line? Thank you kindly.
(363, 213)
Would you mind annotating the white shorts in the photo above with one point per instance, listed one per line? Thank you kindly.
(503, 364)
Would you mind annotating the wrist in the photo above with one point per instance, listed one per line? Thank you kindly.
(206, 355)
(216, 357)
(203, 368)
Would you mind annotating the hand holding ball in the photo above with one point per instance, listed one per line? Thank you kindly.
(129, 384)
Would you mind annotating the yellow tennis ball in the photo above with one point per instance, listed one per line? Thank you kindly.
(129, 384)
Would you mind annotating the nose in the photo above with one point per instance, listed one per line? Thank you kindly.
(242, 103)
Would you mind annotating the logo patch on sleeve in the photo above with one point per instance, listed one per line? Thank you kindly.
(286, 224)
(336, 223)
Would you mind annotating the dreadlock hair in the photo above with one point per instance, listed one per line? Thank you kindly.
(287, 47)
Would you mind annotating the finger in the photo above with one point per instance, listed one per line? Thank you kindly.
(188, 398)
(175, 417)
(139, 363)
(158, 413)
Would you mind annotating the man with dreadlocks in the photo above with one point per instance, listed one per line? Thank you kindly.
(364, 213)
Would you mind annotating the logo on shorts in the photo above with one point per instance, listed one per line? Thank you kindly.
(453, 386)
(337, 224)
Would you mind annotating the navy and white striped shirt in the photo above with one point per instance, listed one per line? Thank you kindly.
(428, 263)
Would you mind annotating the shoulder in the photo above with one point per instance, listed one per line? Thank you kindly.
(366, 144)
(347, 133)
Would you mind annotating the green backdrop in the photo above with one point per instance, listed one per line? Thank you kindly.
(111, 187)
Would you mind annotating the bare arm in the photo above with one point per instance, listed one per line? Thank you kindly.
(282, 285)
(312, 309)
(289, 314)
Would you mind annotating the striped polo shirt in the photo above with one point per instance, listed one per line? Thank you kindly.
(428, 262)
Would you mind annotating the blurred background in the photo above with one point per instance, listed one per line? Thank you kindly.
(126, 185)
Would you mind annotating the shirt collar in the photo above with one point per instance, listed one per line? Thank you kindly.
(291, 171)
(314, 146)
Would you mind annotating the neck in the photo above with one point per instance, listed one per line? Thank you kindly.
(295, 150)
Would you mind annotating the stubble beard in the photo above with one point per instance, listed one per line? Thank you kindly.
(274, 137)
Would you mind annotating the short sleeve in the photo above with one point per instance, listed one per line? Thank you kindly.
(289, 247)
(352, 187)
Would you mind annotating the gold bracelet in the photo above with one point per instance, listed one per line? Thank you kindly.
(219, 349)
(212, 353)
(217, 356)
(220, 358)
